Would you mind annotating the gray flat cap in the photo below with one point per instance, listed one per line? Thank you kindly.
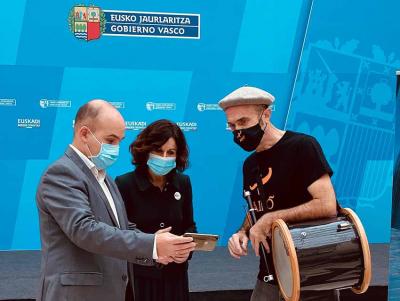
(246, 96)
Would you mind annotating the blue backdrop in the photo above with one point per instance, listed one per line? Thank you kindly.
(328, 63)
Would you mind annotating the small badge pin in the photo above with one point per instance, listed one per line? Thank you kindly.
(177, 196)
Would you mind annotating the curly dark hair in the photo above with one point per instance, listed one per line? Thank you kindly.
(153, 137)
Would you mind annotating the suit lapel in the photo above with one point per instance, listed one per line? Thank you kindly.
(118, 203)
(93, 181)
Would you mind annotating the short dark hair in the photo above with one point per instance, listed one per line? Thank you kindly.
(156, 135)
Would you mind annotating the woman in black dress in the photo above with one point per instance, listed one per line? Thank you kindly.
(158, 195)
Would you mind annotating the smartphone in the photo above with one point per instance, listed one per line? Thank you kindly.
(204, 242)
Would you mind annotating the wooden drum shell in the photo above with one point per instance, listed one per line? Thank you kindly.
(320, 255)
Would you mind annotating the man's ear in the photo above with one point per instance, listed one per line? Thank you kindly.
(83, 133)
(267, 114)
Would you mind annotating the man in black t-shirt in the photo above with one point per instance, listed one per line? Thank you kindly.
(287, 176)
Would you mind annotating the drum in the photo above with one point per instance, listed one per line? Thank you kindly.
(321, 255)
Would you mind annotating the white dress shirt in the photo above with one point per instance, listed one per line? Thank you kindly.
(100, 176)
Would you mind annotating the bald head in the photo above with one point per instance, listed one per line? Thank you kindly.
(94, 111)
(97, 121)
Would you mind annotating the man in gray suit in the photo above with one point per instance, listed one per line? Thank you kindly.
(86, 237)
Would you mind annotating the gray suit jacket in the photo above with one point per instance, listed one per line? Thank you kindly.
(84, 253)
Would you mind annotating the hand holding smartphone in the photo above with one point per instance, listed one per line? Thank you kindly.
(204, 242)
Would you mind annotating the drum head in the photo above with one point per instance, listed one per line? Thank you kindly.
(285, 261)
(366, 279)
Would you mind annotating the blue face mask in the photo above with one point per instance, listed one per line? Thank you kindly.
(107, 155)
(160, 165)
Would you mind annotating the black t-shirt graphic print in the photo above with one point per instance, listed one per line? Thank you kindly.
(278, 177)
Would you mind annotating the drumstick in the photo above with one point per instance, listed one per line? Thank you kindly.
(253, 220)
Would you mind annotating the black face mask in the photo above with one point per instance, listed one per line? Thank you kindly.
(249, 138)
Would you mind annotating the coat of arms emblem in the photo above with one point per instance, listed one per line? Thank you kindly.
(86, 22)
